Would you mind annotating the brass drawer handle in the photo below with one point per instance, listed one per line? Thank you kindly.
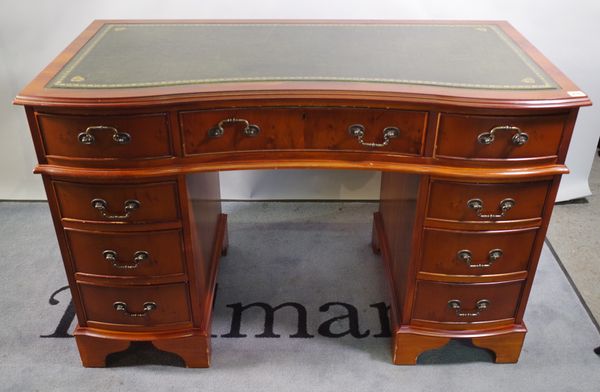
(102, 206)
(480, 306)
(122, 307)
(504, 207)
(250, 130)
(518, 139)
(112, 257)
(358, 131)
(86, 137)
(466, 256)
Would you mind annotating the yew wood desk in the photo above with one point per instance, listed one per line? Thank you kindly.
(132, 123)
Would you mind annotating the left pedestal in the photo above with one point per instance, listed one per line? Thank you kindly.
(141, 258)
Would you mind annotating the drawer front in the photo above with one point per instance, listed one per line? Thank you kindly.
(499, 137)
(476, 253)
(278, 129)
(302, 129)
(433, 301)
(153, 253)
(105, 137)
(330, 129)
(135, 203)
(457, 201)
(151, 306)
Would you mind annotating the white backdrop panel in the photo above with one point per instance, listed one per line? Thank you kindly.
(33, 32)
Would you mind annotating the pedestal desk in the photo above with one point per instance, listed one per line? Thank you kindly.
(468, 122)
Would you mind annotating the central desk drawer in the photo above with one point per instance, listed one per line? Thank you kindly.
(338, 129)
(486, 202)
(229, 130)
(152, 306)
(373, 130)
(134, 203)
(140, 254)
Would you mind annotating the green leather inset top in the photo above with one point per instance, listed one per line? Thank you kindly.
(450, 55)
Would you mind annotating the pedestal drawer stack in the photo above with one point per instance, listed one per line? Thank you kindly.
(474, 260)
(476, 241)
(134, 268)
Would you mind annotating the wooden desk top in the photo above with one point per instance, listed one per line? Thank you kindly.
(474, 63)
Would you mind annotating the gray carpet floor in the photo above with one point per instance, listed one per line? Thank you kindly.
(575, 235)
(313, 255)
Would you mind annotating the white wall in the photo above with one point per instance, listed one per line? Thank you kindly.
(33, 32)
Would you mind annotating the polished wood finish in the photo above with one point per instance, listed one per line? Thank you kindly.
(429, 173)
(207, 230)
(164, 248)
(441, 248)
(448, 200)
(290, 128)
(410, 339)
(305, 160)
(409, 343)
(431, 302)
(507, 347)
(398, 215)
(158, 201)
(327, 129)
(457, 137)
(408, 346)
(171, 305)
(192, 345)
(150, 137)
(278, 130)
(94, 346)
(94, 350)
(194, 350)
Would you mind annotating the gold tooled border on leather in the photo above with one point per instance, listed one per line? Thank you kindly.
(59, 80)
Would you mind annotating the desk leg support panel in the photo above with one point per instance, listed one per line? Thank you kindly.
(194, 350)
(507, 347)
(93, 350)
(94, 346)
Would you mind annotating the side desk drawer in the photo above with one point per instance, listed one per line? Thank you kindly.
(453, 252)
(105, 137)
(477, 202)
(466, 303)
(151, 306)
(498, 137)
(263, 129)
(134, 203)
(140, 254)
